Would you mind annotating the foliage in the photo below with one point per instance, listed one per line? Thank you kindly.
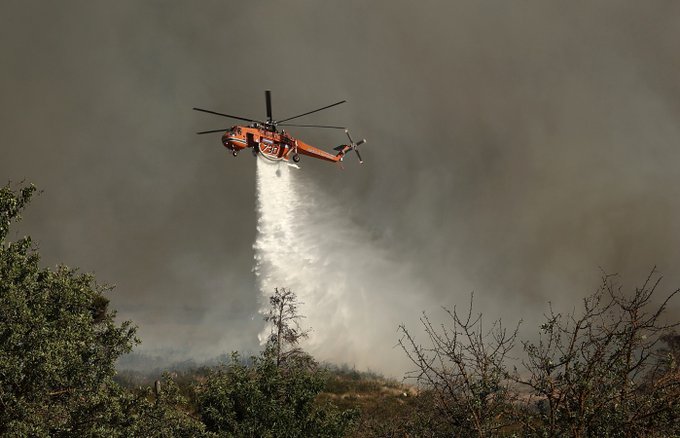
(58, 347)
(11, 205)
(275, 395)
(58, 342)
(160, 414)
(266, 400)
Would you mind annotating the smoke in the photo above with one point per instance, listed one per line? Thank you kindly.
(514, 148)
(349, 285)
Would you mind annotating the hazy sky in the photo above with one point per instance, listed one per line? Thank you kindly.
(515, 147)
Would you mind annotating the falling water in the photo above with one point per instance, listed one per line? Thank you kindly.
(354, 293)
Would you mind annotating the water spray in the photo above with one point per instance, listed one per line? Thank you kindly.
(306, 243)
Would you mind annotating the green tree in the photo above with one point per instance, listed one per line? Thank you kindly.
(58, 347)
(275, 394)
(58, 341)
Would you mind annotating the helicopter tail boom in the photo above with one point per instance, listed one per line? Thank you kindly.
(342, 150)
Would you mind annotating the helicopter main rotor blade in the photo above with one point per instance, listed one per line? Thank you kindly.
(213, 130)
(311, 126)
(226, 115)
(268, 98)
(310, 112)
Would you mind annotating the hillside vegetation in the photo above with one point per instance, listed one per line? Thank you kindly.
(609, 368)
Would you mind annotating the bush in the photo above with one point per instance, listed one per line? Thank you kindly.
(266, 400)
(275, 394)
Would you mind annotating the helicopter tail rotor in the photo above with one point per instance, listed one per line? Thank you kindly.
(355, 146)
(352, 146)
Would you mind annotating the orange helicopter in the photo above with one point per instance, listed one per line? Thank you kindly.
(275, 145)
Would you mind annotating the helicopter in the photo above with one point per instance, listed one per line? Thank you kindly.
(266, 140)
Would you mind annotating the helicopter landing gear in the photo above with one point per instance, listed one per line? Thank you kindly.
(296, 158)
(235, 153)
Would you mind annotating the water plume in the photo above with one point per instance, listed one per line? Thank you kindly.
(353, 292)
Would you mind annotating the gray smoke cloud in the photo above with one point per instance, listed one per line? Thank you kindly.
(514, 147)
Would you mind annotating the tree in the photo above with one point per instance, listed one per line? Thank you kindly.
(58, 341)
(58, 346)
(610, 369)
(286, 332)
(464, 372)
(273, 394)
(601, 372)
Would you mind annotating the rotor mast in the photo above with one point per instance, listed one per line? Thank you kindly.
(270, 121)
